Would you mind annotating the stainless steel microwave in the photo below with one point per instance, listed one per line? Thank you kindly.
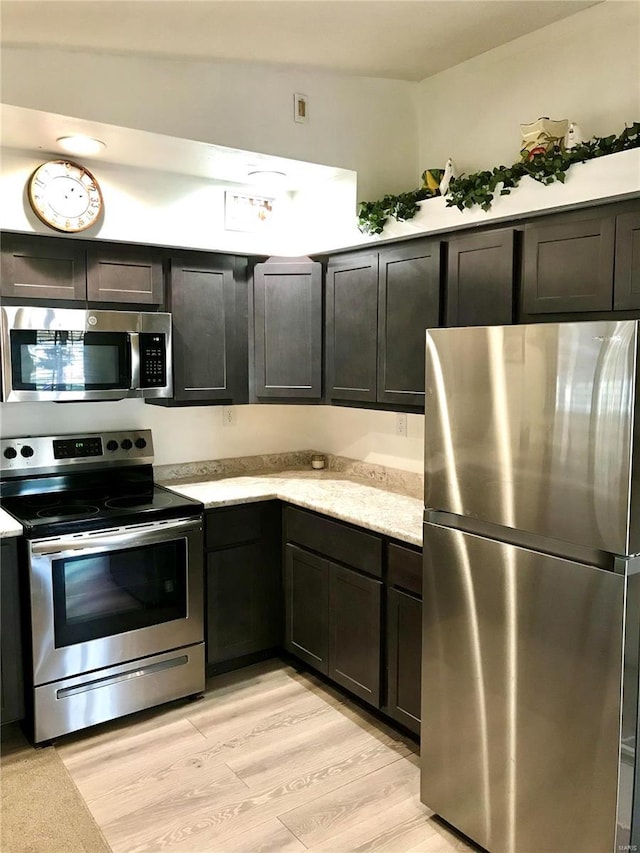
(62, 354)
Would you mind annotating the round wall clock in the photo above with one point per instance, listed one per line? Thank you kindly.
(65, 195)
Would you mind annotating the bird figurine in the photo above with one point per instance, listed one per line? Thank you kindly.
(574, 136)
(431, 180)
(449, 173)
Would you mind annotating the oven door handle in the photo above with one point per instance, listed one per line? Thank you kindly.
(119, 537)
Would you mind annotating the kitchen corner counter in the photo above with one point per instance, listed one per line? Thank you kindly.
(394, 515)
(9, 526)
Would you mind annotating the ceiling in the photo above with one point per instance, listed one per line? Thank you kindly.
(398, 39)
(35, 131)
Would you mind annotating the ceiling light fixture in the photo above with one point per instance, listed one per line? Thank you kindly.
(267, 174)
(83, 145)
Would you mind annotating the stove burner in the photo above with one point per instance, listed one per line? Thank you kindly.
(139, 500)
(74, 510)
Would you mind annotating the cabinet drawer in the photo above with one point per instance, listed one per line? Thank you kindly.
(335, 540)
(234, 525)
(405, 568)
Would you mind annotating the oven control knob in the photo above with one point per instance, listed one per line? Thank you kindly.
(126, 444)
(112, 445)
(26, 451)
(10, 453)
(141, 443)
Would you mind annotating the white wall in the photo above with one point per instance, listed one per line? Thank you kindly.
(147, 206)
(359, 123)
(196, 433)
(585, 68)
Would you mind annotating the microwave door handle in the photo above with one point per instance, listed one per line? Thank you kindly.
(134, 348)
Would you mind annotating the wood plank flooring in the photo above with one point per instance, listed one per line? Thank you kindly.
(269, 761)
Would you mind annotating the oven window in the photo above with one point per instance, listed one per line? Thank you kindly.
(100, 595)
(69, 361)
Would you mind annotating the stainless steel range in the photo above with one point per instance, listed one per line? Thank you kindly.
(113, 576)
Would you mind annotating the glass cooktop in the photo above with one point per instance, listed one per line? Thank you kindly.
(55, 513)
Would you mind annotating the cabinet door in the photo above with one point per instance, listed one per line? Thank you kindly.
(627, 262)
(408, 304)
(404, 657)
(243, 602)
(11, 679)
(43, 268)
(288, 329)
(202, 300)
(568, 265)
(480, 279)
(351, 326)
(306, 583)
(354, 632)
(117, 273)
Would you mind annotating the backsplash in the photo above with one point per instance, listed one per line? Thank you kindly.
(380, 476)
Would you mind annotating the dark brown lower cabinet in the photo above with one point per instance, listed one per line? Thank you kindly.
(332, 613)
(404, 635)
(404, 657)
(306, 584)
(243, 582)
(11, 677)
(355, 611)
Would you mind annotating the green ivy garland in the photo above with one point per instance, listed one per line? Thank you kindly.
(481, 187)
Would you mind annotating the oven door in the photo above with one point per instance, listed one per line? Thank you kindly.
(103, 598)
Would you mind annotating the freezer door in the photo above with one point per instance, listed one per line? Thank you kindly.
(521, 695)
(531, 427)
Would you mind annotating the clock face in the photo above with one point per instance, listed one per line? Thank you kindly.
(65, 195)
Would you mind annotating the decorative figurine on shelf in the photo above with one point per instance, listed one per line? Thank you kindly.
(431, 180)
(542, 136)
(574, 136)
(449, 173)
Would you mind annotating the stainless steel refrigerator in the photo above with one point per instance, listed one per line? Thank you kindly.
(531, 597)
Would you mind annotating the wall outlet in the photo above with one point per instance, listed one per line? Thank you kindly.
(228, 416)
(300, 108)
(401, 424)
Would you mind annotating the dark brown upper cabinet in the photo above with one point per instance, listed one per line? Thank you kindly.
(352, 327)
(627, 262)
(287, 315)
(207, 296)
(50, 269)
(408, 304)
(480, 279)
(124, 274)
(43, 268)
(379, 305)
(568, 263)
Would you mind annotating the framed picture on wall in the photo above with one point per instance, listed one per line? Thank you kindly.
(246, 212)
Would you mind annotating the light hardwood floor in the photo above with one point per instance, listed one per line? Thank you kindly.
(270, 759)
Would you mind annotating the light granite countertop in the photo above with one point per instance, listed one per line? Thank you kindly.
(8, 525)
(328, 492)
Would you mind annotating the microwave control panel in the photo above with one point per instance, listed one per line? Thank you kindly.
(153, 360)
